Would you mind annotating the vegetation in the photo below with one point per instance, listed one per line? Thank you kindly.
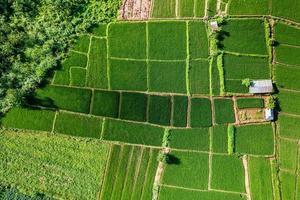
(231, 139)
(198, 41)
(201, 115)
(180, 104)
(160, 110)
(133, 106)
(246, 82)
(220, 139)
(250, 103)
(199, 77)
(164, 9)
(224, 111)
(106, 103)
(289, 126)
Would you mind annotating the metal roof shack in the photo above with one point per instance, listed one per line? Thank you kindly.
(261, 86)
(269, 114)
(214, 25)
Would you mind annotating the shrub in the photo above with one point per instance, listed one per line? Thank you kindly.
(271, 102)
(246, 82)
(230, 132)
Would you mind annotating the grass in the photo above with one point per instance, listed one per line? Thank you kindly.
(255, 139)
(128, 75)
(201, 115)
(215, 78)
(191, 139)
(224, 112)
(199, 77)
(289, 126)
(160, 110)
(78, 76)
(167, 193)
(289, 102)
(250, 103)
(287, 9)
(249, 33)
(78, 125)
(167, 77)
(135, 133)
(106, 103)
(287, 34)
(132, 36)
(288, 152)
(66, 98)
(180, 104)
(288, 185)
(249, 7)
(198, 42)
(60, 167)
(189, 169)
(163, 9)
(288, 55)
(231, 139)
(26, 118)
(287, 77)
(260, 178)
(133, 106)
(242, 67)
(97, 69)
(220, 138)
(186, 8)
(227, 173)
(167, 40)
(82, 44)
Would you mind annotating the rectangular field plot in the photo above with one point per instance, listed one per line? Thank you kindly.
(255, 139)
(66, 98)
(167, 193)
(242, 67)
(198, 42)
(78, 125)
(132, 36)
(128, 75)
(180, 104)
(289, 126)
(215, 77)
(193, 139)
(199, 77)
(220, 139)
(286, 34)
(288, 185)
(78, 76)
(62, 76)
(224, 111)
(164, 9)
(212, 6)
(201, 115)
(135, 133)
(250, 103)
(249, 7)
(288, 9)
(249, 33)
(260, 178)
(160, 110)
(287, 77)
(31, 119)
(100, 30)
(106, 103)
(288, 152)
(288, 55)
(82, 44)
(167, 77)
(186, 8)
(133, 106)
(167, 40)
(131, 171)
(227, 173)
(289, 102)
(187, 170)
(97, 68)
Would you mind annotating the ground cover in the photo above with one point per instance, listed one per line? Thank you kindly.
(250, 34)
(164, 9)
(288, 185)
(100, 30)
(132, 36)
(286, 34)
(287, 77)
(167, 40)
(160, 110)
(106, 103)
(77, 76)
(199, 8)
(288, 152)
(78, 125)
(220, 138)
(250, 103)
(186, 8)
(82, 44)
(199, 77)
(289, 102)
(133, 106)
(231, 170)
(212, 6)
(129, 132)
(224, 112)
(66, 98)
(289, 126)
(215, 77)
(288, 55)
(31, 119)
(193, 139)
(235, 86)
(167, 76)
(260, 178)
(255, 139)
(249, 7)
(200, 113)
(190, 170)
(180, 106)
(286, 9)
(37, 162)
(198, 42)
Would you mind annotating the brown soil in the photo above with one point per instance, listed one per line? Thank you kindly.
(251, 115)
(135, 10)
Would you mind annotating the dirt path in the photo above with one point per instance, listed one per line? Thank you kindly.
(247, 178)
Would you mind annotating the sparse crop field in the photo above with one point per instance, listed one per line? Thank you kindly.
(164, 9)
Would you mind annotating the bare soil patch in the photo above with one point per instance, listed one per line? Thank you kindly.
(135, 10)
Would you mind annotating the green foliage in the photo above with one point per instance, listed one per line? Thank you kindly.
(9, 193)
(231, 138)
(246, 82)
(61, 167)
(220, 66)
(271, 102)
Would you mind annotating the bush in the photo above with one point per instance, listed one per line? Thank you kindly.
(246, 82)
(271, 102)
(230, 132)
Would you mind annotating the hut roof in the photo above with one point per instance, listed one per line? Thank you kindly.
(261, 86)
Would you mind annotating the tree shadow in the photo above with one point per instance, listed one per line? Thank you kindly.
(221, 36)
(173, 160)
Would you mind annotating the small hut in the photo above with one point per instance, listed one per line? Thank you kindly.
(214, 25)
(269, 114)
(261, 87)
